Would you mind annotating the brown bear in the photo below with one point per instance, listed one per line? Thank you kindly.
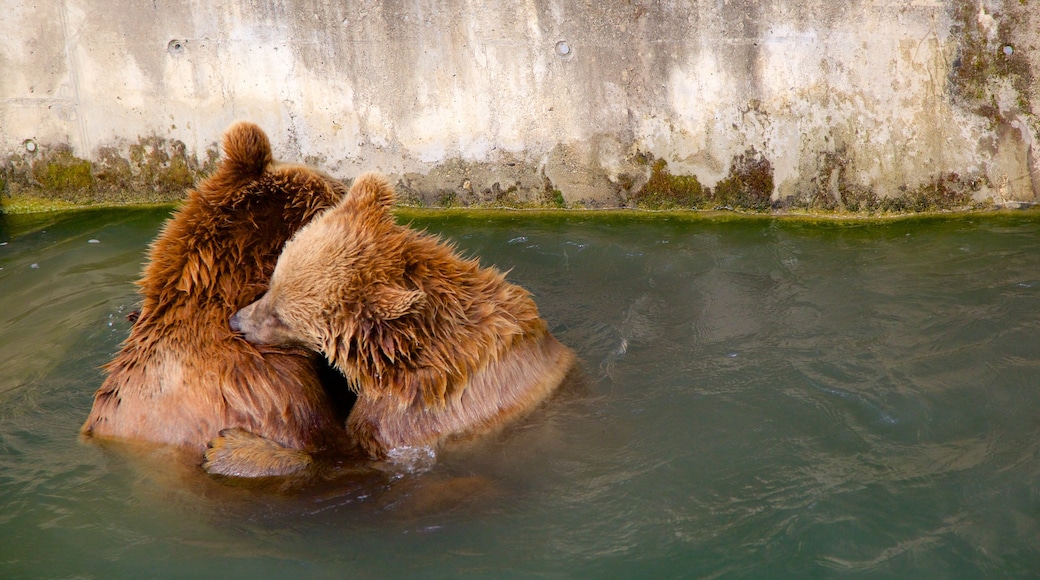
(436, 347)
(182, 375)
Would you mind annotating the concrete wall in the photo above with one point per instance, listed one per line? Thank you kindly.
(477, 101)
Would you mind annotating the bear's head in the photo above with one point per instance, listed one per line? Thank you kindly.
(217, 252)
(340, 286)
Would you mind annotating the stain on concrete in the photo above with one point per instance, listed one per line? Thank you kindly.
(986, 53)
(792, 105)
(993, 75)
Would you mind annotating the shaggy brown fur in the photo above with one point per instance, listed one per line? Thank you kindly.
(182, 375)
(436, 347)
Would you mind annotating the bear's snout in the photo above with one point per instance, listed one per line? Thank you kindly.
(236, 324)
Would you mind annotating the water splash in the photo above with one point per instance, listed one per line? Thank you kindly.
(412, 459)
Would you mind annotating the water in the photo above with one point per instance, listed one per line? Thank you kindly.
(765, 399)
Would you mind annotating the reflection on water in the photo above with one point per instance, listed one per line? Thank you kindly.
(765, 398)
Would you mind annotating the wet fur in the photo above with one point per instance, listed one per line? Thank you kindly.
(436, 347)
(182, 375)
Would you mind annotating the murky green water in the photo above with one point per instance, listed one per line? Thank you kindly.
(767, 399)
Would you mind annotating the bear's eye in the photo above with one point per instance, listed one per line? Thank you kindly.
(276, 320)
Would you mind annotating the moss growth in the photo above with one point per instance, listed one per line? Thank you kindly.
(451, 200)
(495, 194)
(61, 172)
(503, 215)
(749, 184)
(748, 187)
(947, 192)
(666, 191)
(832, 191)
(551, 198)
(156, 170)
(159, 171)
(448, 199)
(493, 197)
(860, 200)
(24, 205)
(163, 165)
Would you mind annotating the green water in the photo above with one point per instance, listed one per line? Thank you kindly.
(765, 399)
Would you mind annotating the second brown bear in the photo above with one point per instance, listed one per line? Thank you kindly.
(436, 347)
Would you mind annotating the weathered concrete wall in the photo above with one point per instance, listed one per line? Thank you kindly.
(833, 102)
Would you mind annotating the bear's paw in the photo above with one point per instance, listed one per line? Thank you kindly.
(239, 453)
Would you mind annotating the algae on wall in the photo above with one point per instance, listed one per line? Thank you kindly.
(151, 170)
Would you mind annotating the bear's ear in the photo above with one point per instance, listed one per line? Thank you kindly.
(389, 302)
(370, 192)
(247, 151)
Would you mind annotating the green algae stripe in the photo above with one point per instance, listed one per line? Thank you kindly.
(405, 213)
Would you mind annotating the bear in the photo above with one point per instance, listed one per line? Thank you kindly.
(437, 348)
(182, 375)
